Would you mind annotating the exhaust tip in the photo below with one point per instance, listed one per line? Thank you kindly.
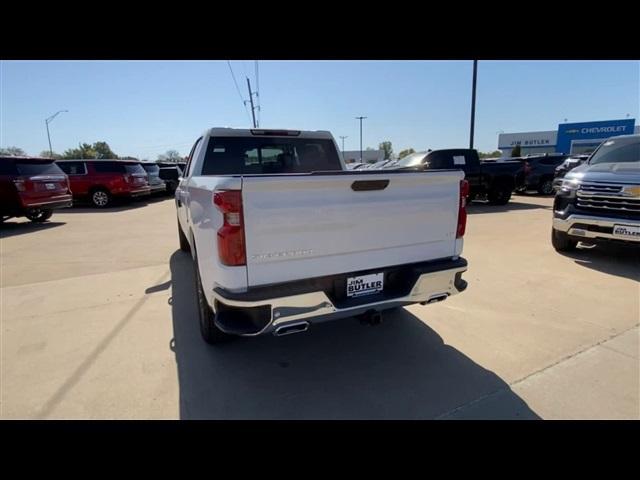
(435, 298)
(291, 328)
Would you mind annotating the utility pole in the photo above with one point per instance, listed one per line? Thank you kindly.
(253, 113)
(343, 137)
(473, 102)
(360, 118)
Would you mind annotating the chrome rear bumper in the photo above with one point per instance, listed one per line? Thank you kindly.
(316, 307)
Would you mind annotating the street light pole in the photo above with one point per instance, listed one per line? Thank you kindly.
(360, 118)
(473, 102)
(343, 137)
(46, 122)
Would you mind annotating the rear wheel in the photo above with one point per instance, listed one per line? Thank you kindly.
(39, 215)
(561, 241)
(208, 329)
(100, 198)
(545, 187)
(499, 195)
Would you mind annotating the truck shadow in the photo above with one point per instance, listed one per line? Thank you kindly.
(477, 207)
(119, 205)
(339, 370)
(22, 226)
(618, 260)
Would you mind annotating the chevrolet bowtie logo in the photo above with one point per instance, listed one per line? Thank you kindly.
(632, 191)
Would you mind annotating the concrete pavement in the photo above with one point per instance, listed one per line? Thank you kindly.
(98, 320)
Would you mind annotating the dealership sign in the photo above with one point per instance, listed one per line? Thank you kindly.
(535, 141)
(528, 139)
(568, 132)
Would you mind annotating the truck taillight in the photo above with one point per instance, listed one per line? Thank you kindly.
(231, 248)
(127, 178)
(462, 209)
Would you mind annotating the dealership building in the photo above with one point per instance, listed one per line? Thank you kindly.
(569, 138)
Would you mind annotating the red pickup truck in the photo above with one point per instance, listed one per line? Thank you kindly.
(32, 187)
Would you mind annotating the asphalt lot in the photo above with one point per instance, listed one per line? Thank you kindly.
(98, 321)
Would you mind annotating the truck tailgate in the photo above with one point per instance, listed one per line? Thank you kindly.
(304, 226)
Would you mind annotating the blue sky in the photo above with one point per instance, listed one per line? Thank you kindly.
(143, 108)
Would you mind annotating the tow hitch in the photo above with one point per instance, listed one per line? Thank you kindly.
(371, 317)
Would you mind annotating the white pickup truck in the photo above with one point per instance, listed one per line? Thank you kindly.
(283, 236)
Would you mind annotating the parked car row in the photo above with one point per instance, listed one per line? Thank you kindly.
(33, 187)
(102, 181)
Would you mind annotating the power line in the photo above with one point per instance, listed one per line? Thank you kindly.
(244, 102)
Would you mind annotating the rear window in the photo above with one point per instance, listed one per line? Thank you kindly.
(73, 168)
(243, 155)
(153, 169)
(7, 167)
(118, 167)
(108, 167)
(37, 168)
(133, 168)
(169, 173)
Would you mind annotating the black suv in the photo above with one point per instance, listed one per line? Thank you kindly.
(538, 172)
(170, 173)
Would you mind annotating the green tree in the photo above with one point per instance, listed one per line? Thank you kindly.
(516, 152)
(86, 150)
(49, 154)
(404, 153)
(103, 150)
(494, 154)
(387, 148)
(12, 151)
(170, 156)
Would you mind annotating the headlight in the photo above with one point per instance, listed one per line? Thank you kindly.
(571, 184)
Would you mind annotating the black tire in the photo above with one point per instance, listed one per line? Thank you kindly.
(546, 187)
(562, 242)
(499, 196)
(184, 243)
(208, 329)
(100, 198)
(39, 215)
